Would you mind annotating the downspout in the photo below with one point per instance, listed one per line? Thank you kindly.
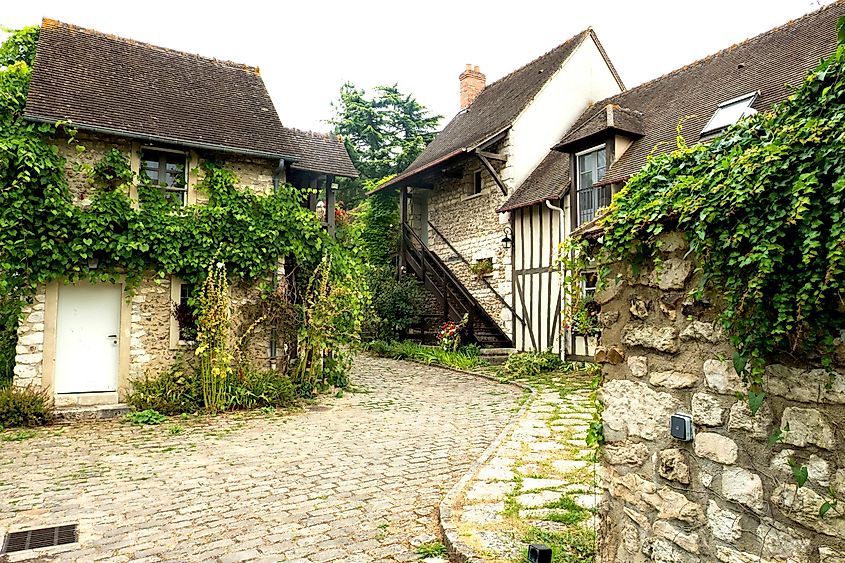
(561, 223)
(277, 174)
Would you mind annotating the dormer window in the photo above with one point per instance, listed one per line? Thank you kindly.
(729, 113)
(591, 166)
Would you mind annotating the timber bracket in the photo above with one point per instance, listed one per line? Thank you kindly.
(485, 158)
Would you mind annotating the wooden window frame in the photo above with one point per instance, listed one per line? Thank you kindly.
(162, 169)
(598, 194)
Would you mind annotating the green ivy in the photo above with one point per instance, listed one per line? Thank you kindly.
(763, 208)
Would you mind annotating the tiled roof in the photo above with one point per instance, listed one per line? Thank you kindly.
(772, 63)
(321, 152)
(496, 107)
(548, 181)
(115, 85)
(609, 117)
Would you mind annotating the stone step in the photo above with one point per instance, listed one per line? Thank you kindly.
(497, 356)
(94, 412)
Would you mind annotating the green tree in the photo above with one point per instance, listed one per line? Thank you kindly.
(383, 133)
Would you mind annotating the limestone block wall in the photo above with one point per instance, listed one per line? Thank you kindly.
(472, 225)
(252, 173)
(29, 352)
(729, 495)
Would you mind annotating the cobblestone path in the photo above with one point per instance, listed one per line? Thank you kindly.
(539, 486)
(356, 478)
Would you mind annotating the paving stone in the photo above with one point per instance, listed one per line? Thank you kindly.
(279, 487)
(483, 513)
(489, 490)
(536, 500)
(496, 474)
(529, 484)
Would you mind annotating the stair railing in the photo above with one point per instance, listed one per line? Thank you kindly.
(489, 286)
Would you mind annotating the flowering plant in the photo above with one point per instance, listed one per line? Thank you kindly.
(449, 337)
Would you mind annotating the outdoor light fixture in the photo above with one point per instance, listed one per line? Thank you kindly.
(93, 262)
(539, 553)
(507, 240)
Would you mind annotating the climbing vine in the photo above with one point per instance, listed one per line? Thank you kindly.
(763, 207)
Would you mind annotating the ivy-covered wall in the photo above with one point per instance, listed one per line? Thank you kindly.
(152, 347)
(748, 486)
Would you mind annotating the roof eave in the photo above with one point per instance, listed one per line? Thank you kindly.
(343, 174)
(565, 144)
(483, 143)
(161, 139)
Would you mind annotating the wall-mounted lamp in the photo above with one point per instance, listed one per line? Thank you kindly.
(93, 262)
(507, 240)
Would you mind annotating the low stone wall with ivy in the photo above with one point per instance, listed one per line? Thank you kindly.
(749, 487)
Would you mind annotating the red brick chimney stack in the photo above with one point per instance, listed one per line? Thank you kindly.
(472, 83)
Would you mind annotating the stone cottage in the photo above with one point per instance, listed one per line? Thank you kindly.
(610, 141)
(455, 239)
(166, 111)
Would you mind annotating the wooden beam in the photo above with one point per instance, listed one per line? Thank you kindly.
(493, 155)
(492, 172)
(330, 206)
(403, 222)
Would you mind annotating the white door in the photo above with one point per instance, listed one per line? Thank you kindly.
(87, 332)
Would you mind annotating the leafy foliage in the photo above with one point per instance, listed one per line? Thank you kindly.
(532, 364)
(148, 417)
(395, 305)
(179, 390)
(174, 391)
(763, 207)
(465, 358)
(19, 46)
(383, 133)
(25, 406)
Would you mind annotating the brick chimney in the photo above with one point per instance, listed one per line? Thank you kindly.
(472, 83)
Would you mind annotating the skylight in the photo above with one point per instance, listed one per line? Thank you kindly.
(729, 113)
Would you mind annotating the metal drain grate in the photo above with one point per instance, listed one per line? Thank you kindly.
(42, 537)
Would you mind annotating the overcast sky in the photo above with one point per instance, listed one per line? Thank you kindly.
(308, 48)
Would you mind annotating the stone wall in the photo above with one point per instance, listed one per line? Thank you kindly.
(728, 495)
(471, 224)
(29, 352)
(252, 173)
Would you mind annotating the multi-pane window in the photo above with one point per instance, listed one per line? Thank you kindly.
(166, 170)
(591, 166)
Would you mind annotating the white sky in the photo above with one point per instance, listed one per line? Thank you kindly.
(308, 48)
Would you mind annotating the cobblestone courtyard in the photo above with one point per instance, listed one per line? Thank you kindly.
(355, 478)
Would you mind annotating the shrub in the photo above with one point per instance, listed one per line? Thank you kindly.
(465, 358)
(532, 364)
(179, 390)
(396, 304)
(257, 389)
(175, 391)
(25, 406)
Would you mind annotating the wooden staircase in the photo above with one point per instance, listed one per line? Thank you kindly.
(453, 298)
